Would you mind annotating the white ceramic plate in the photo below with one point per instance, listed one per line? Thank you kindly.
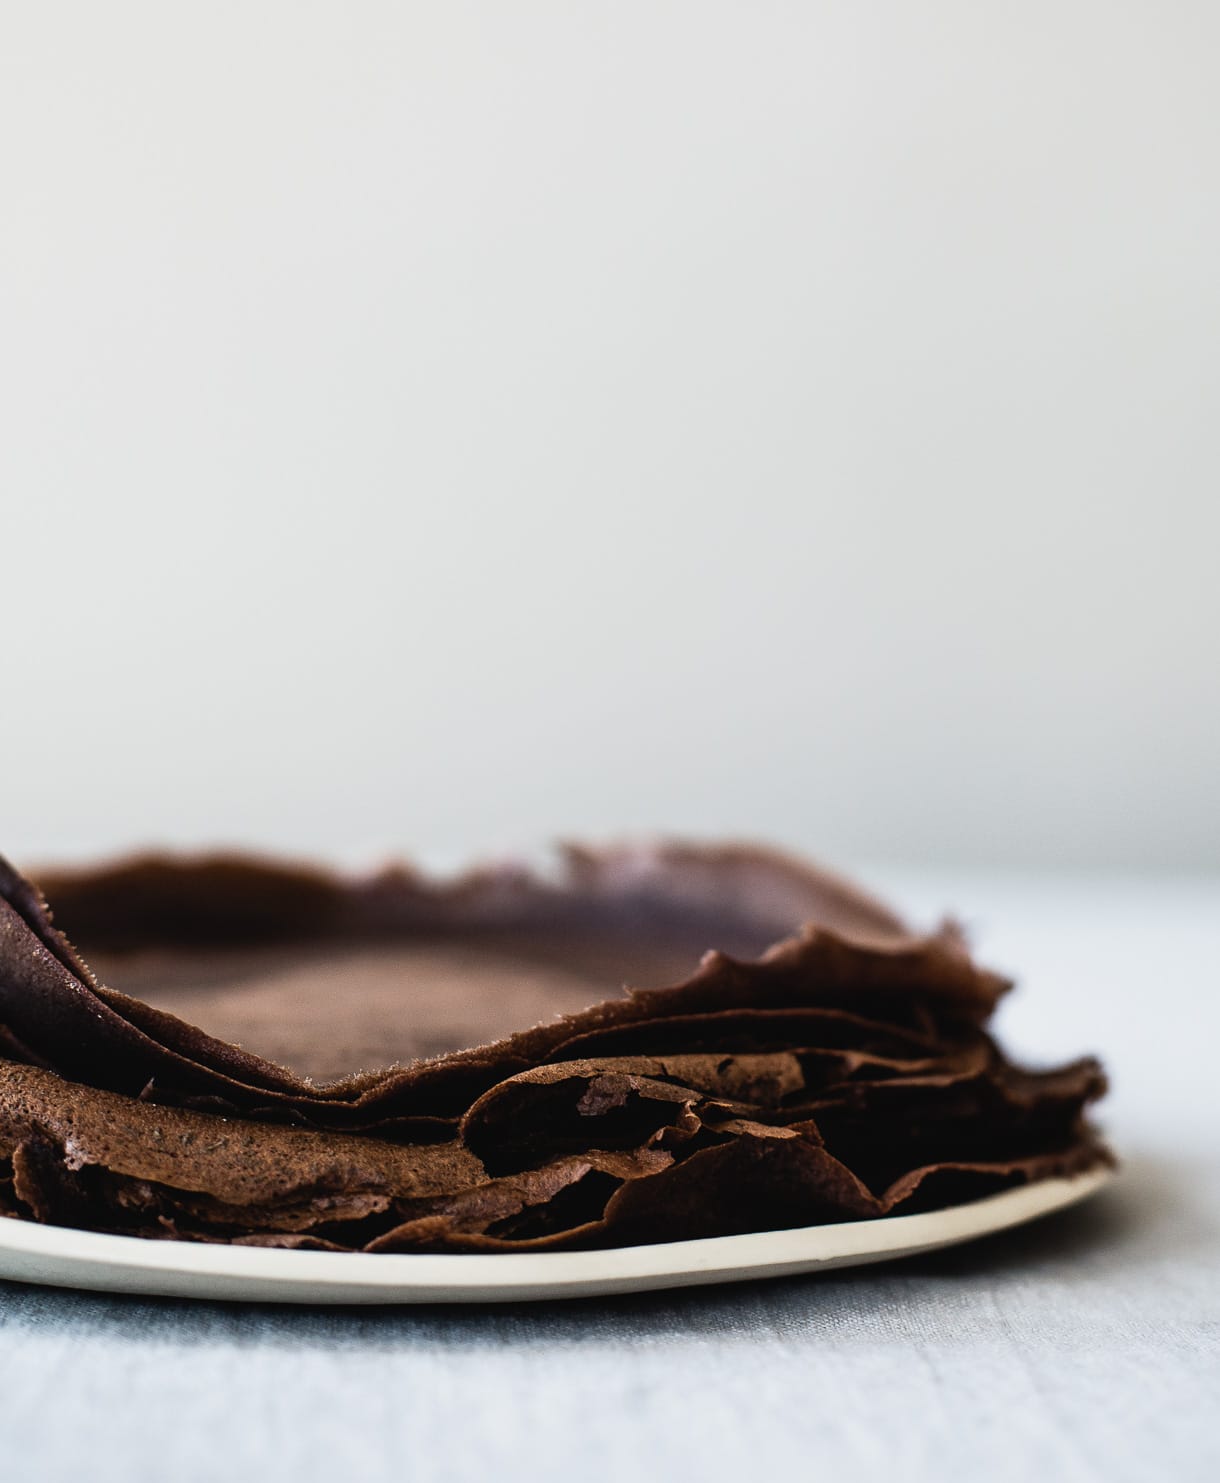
(69, 1258)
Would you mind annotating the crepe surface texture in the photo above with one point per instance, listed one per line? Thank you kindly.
(299, 1059)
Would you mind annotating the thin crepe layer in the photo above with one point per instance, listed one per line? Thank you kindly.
(845, 1073)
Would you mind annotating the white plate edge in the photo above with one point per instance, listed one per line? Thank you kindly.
(65, 1257)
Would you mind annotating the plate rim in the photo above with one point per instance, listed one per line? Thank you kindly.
(64, 1256)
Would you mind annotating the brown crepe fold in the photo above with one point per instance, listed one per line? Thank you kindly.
(822, 1064)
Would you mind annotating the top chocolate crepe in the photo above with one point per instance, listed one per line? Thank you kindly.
(393, 1064)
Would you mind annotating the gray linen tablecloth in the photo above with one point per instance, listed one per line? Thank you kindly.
(1084, 1347)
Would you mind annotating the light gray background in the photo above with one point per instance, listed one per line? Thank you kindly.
(439, 426)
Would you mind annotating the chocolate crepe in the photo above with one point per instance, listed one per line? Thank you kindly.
(396, 1064)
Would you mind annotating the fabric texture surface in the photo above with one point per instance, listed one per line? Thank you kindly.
(1084, 1347)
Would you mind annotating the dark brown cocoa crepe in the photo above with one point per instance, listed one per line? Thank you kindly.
(300, 1059)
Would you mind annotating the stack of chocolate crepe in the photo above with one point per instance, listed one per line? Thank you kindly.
(297, 1059)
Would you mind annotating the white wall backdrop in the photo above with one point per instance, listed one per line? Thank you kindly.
(445, 425)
